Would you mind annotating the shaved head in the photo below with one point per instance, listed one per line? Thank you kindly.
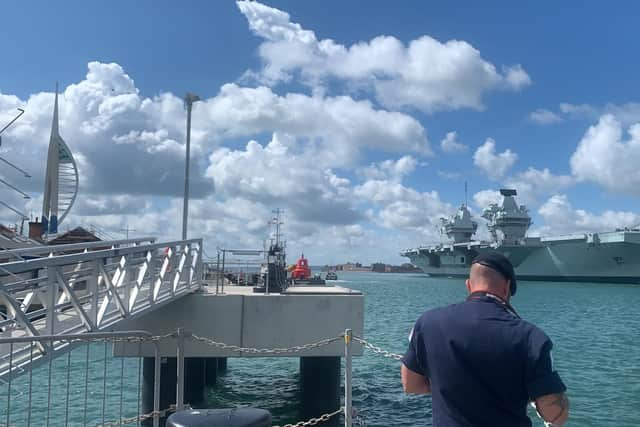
(483, 278)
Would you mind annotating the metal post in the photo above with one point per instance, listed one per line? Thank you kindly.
(93, 289)
(224, 252)
(156, 385)
(348, 335)
(218, 273)
(199, 276)
(189, 99)
(180, 371)
(52, 289)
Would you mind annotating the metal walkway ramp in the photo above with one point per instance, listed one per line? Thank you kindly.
(87, 287)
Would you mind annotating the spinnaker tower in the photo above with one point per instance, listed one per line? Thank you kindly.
(61, 179)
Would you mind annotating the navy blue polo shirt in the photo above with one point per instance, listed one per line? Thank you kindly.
(483, 362)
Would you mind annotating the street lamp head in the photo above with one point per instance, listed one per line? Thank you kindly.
(190, 98)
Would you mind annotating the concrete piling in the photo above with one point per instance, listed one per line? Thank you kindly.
(222, 364)
(168, 366)
(194, 380)
(211, 366)
(320, 387)
(194, 383)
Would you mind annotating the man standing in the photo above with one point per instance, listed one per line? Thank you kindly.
(480, 361)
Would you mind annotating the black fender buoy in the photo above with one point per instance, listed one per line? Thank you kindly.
(237, 417)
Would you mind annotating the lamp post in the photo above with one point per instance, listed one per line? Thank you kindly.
(189, 99)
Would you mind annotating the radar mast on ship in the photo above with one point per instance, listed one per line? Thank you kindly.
(459, 227)
(508, 223)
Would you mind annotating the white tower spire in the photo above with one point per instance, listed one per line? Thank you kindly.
(61, 178)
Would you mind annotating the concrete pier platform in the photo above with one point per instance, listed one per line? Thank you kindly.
(239, 317)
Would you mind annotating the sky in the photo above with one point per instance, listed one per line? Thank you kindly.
(361, 120)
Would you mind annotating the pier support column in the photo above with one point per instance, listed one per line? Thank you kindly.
(210, 370)
(320, 387)
(194, 380)
(168, 375)
(222, 364)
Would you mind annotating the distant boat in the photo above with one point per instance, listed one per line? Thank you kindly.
(301, 274)
(331, 275)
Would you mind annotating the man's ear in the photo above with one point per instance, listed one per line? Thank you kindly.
(468, 283)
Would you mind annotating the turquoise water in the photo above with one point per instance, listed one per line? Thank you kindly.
(595, 328)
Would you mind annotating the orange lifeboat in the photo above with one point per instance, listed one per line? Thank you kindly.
(301, 271)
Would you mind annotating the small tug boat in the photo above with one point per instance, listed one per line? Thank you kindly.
(301, 274)
(273, 273)
(331, 275)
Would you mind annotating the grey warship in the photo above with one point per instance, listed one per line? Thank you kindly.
(605, 257)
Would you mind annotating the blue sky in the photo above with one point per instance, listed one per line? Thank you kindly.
(578, 66)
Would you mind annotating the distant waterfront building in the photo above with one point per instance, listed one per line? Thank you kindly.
(376, 267)
(350, 266)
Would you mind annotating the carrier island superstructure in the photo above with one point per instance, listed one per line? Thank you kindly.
(611, 257)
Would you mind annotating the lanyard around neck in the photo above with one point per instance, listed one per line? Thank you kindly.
(479, 294)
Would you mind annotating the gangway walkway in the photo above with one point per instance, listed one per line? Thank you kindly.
(87, 287)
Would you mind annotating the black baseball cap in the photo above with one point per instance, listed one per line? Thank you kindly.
(500, 263)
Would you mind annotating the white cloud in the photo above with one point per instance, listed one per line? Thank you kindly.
(627, 113)
(578, 109)
(484, 198)
(402, 207)
(392, 170)
(278, 175)
(517, 77)
(130, 153)
(534, 183)
(425, 74)
(122, 204)
(126, 143)
(451, 145)
(123, 143)
(604, 157)
(544, 117)
(561, 217)
(338, 127)
(493, 165)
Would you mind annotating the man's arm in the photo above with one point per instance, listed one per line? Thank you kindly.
(553, 408)
(414, 383)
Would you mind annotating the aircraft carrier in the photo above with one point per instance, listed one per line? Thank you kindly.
(607, 257)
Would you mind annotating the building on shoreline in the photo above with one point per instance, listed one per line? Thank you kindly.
(376, 267)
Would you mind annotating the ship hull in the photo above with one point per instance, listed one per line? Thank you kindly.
(603, 258)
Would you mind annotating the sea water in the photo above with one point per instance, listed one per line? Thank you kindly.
(595, 329)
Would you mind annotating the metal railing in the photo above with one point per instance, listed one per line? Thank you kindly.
(53, 250)
(81, 388)
(77, 290)
(97, 397)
